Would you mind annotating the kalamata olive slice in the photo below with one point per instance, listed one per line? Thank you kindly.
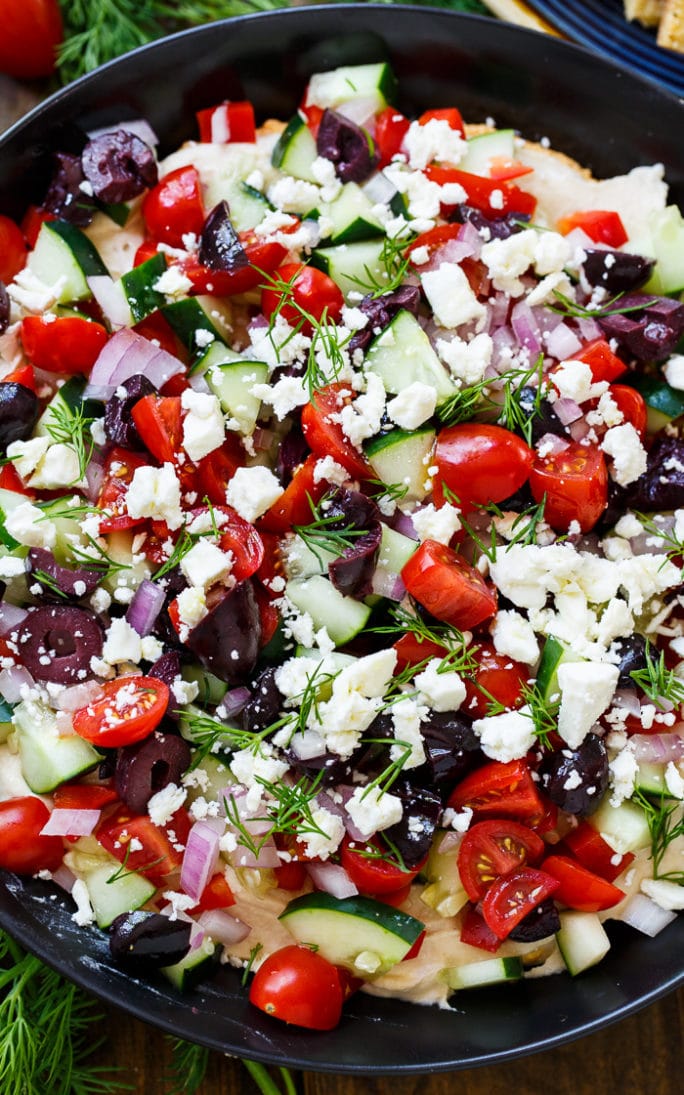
(118, 422)
(661, 487)
(19, 409)
(118, 166)
(4, 310)
(350, 508)
(73, 582)
(227, 640)
(381, 310)
(541, 414)
(575, 779)
(649, 333)
(632, 653)
(346, 145)
(220, 247)
(167, 668)
(499, 228)
(150, 766)
(65, 196)
(352, 572)
(292, 451)
(451, 746)
(148, 939)
(540, 923)
(264, 707)
(413, 835)
(57, 643)
(616, 271)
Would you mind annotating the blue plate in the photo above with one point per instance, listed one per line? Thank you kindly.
(601, 25)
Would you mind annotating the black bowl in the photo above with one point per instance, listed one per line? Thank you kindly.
(588, 108)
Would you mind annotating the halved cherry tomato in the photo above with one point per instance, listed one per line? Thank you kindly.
(449, 114)
(217, 894)
(294, 505)
(594, 853)
(476, 932)
(499, 790)
(31, 32)
(396, 899)
(269, 615)
(449, 587)
(390, 130)
(412, 650)
(579, 888)
(10, 480)
(173, 208)
(291, 876)
(83, 796)
(33, 220)
(632, 405)
(492, 849)
(491, 197)
(503, 169)
(22, 848)
(326, 437)
(509, 900)
(498, 678)
(13, 249)
(601, 225)
(23, 374)
(310, 292)
(480, 463)
(240, 537)
(263, 257)
(135, 840)
(373, 874)
(65, 344)
(158, 420)
(604, 364)
(299, 986)
(575, 482)
(129, 711)
(118, 472)
(155, 328)
(217, 468)
(416, 948)
(312, 115)
(227, 122)
(433, 240)
(147, 250)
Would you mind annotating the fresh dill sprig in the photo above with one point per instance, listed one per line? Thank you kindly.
(403, 620)
(390, 774)
(394, 266)
(657, 681)
(582, 311)
(100, 561)
(498, 397)
(514, 416)
(180, 549)
(393, 492)
(542, 711)
(189, 1063)
(253, 955)
(210, 735)
(289, 807)
(321, 534)
(673, 546)
(463, 404)
(665, 824)
(53, 512)
(48, 582)
(71, 426)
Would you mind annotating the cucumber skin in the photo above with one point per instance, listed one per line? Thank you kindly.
(366, 908)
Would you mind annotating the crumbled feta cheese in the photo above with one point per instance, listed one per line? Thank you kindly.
(30, 527)
(192, 607)
(84, 914)
(507, 736)
(413, 406)
(363, 417)
(248, 766)
(156, 493)
(179, 902)
(122, 643)
(173, 283)
(514, 636)
(203, 425)
(440, 524)
(674, 781)
(329, 471)
(293, 195)
(574, 380)
(323, 171)
(184, 692)
(406, 719)
(668, 895)
(467, 361)
(622, 772)
(458, 820)
(433, 140)
(152, 649)
(12, 567)
(163, 805)
(321, 845)
(373, 810)
(45, 465)
(507, 259)
(629, 455)
(355, 700)
(673, 371)
(284, 396)
(252, 491)
(442, 691)
(452, 300)
(205, 564)
(586, 689)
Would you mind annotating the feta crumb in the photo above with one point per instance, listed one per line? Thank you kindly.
(507, 736)
(373, 810)
(122, 643)
(163, 805)
(673, 371)
(450, 296)
(674, 781)
(321, 845)
(206, 564)
(156, 493)
(514, 636)
(203, 425)
(442, 691)
(252, 491)
(586, 689)
(413, 406)
(629, 455)
(330, 471)
(623, 770)
(440, 524)
(84, 914)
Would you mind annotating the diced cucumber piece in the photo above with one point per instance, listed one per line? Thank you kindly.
(232, 383)
(138, 286)
(481, 150)
(247, 206)
(119, 212)
(650, 779)
(196, 965)
(211, 689)
(352, 216)
(363, 935)
(9, 500)
(375, 82)
(624, 827)
(664, 241)
(300, 561)
(663, 402)
(402, 354)
(444, 892)
(403, 457)
(357, 268)
(6, 724)
(46, 758)
(70, 398)
(395, 550)
(63, 254)
(128, 891)
(475, 974)
(216, 776)
(554, 654)
(296, 150)
(193, 314)
(216, 353)
(134, 570)
(343, 617)
(581, 940)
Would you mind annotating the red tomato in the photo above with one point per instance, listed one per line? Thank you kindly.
(22, 848)
(632, 405)
(411, 650)
(227, 122)
(604, 364)
(433, 240)
(118, 472)
(83, 796)
(147, 250)
(499, 790)
(263, 256)
(312, 115)
(476, 933)
(31, 32)
(390, 130)
(12, 248)
(129, 711)
(310, 293)
(447, 114)
(217, 468)
(33, 220)
(579, 888)
(174, 207)
(294, 505)
(291, 876)
(416, 948)
(23, 374)
(594, 853)
(449, 587)
(509, 900)
(326, 437)
(10, 480)
(66, 344)
(372, 875)
(240, 537)
(490, 196)
(480, 463)
(217, 894)
(157, 329)
(503, 169)
(269, 616)
(158, 421)
(299, 986)
(492, 849)
(575, 482)
(156, 858)
(497, 677)
(601, 225)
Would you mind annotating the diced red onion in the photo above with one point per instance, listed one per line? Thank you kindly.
(547, 320)
(453, 251)
(78, 696)
(13, 681)
(562, 342)
(525, 326)
(498, 307)
(627, 701)
(10, 617)
(589, 328)
(222, 927)
(64, 877)
(552, 444)
(262, 439)
(646, 916)
(110, 296)
(332, 879)
(567, 410)
(266, 859)
(579, 429)
(145, 607)
(503, 339)
(200, 858)
(198, 383)
(469, 234)
(386, 583)
(360, 110)
(402, 522)
(233, 701)
(64, 724)
(70, 822)
(657, 748)
(139, 126)
(127, 354)
(196, 937)
(450, 842)
(94, 477)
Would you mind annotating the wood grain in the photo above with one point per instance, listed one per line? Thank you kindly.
(642, 1053)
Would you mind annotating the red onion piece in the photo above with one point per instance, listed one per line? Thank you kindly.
(78, 696)
(562, 342)
(450, 842)
(125, 355)
(525, 326)
(401, 522)
(199, 859)
(70, 822)
(498, 307)
(646, 916)
(64, 877)
(332, 879)
(469, 235)
(503, 339)
(233, 701)
(10, 617)
(579, 429)
(222, 927)
(198, 383)
(552, 444)
(13, 681)
(263, 439)
(360, 110)
(627, 701)
(453, 251)
(266, 859)
(589, 328)
(658, 748)
(112, 300)
(567, 410)
(145, 607)
(385, 583)
(139, 126)
(94, 477)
